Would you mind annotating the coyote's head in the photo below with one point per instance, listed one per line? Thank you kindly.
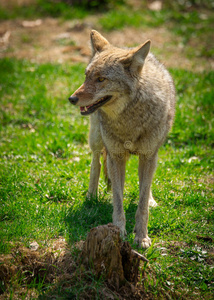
(112, 75)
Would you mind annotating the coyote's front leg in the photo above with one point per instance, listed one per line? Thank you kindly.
(96, 145)
(147, 166)
(116, 170)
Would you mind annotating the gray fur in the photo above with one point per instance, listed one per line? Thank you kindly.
(135, 120)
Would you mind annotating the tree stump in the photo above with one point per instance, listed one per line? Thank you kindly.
(105, 252)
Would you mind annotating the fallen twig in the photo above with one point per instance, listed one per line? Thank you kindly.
(140, 256)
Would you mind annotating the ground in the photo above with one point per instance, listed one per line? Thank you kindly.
(184, 180)
(51, 40)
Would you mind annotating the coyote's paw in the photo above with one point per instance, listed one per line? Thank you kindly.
(91, 196)
(119, 220)
(122, 227)
(142, 242)
(123, 232)
(152, 203)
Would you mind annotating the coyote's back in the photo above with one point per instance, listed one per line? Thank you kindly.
(131, 99)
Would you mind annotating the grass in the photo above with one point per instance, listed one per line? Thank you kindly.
(44, 174)
(41, 8)
(192, 21)
(45, 165)
(191, 26)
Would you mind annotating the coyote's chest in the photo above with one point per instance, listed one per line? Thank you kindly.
(130, 133)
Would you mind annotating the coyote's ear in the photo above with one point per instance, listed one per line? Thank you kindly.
(137, 57)
(98, 42)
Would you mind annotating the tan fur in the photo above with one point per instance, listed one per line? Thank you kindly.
(135, 120)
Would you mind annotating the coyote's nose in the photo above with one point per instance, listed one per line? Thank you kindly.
(73, 99)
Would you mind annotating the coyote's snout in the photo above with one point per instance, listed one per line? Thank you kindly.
(130, 97)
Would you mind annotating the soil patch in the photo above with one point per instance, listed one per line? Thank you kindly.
(51, 40)
(64, 270)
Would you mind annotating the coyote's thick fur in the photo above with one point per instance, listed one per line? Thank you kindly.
(131, 99)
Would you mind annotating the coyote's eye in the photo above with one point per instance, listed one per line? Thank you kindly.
(100, 79)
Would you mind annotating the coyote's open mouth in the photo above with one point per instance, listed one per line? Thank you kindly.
(86, 110)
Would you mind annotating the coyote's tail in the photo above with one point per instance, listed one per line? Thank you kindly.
(107, 179)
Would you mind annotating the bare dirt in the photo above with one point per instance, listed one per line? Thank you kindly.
(56, 264)
(24, 266)
(56, 41)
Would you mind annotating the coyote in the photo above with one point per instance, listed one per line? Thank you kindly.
(131, 99)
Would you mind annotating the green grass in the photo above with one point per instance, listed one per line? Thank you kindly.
(190, 25)
(124, 17)
(41, 8)
(192, 21)
(45, 164)
(56, 9)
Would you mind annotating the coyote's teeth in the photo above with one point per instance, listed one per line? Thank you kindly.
(91, 108)
(99, 100)
(83, 108)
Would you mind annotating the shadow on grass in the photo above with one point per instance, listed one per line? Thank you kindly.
(94, 212)
(86, 215)
(130, 215)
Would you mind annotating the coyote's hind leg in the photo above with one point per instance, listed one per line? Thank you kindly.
(152, 202)
(94, 175)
